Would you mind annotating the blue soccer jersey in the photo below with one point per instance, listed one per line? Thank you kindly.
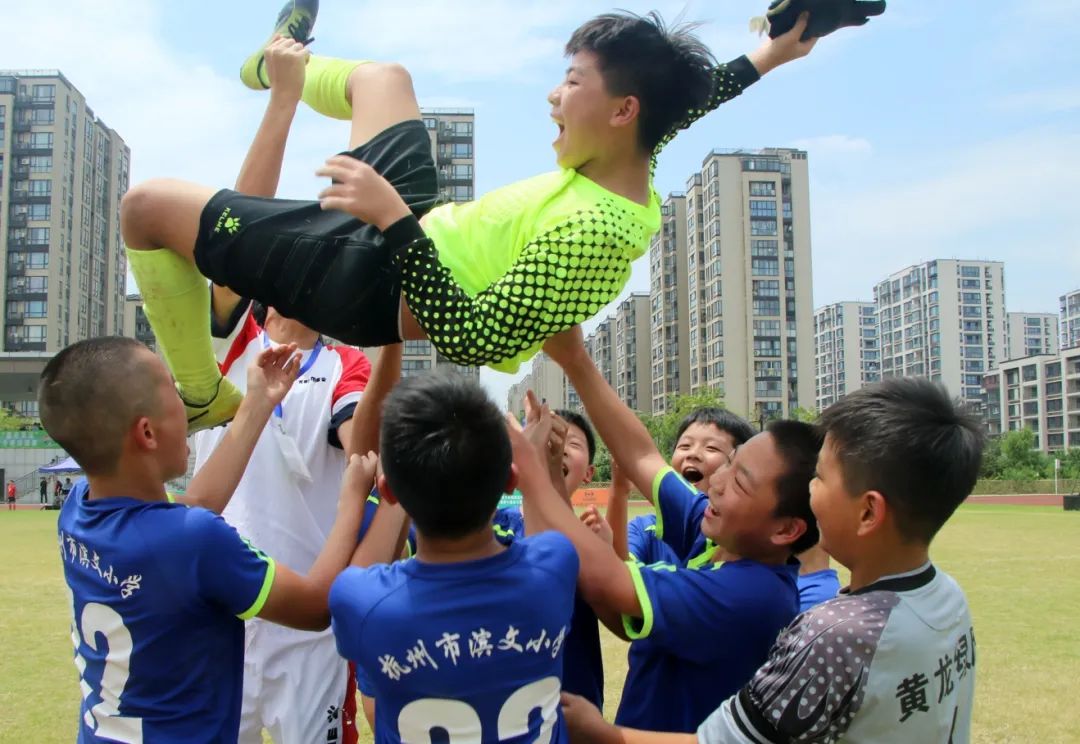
(643, 544)
(703, 633)
(471, 650)
(508, 525)
(817, 587)
(159, 593)
(679, 509)
(583, 668)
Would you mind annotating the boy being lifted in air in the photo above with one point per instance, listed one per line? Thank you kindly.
(486, 281)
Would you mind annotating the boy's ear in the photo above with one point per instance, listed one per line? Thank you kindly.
(589, 473)
(142, 434)
(627, 112)
(791, 529)
(512, 479)
(873, 513)
(384, 490)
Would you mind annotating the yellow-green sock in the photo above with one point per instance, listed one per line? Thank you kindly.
(326, 85)
(176, 300)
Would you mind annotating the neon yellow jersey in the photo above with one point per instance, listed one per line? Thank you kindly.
(557, 246)
(490, 281)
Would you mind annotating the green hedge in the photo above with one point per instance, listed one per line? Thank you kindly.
(1008, 487)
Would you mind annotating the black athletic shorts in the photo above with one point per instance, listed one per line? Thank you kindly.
(326, 269)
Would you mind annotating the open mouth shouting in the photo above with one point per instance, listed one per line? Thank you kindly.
(692, 474)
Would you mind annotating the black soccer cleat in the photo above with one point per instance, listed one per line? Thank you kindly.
(295, 21)
(826, 16)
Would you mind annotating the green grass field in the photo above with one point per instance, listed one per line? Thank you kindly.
(1020, 567)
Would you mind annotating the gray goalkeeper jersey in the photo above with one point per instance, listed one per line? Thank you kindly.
(892, 662)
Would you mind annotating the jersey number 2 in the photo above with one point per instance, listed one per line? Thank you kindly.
(462, 723)
(104, 718)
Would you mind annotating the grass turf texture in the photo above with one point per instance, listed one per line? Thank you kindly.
(1020, 567)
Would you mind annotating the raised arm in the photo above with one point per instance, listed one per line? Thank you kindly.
(259, 175)
(617, 511)
(603, 580)
(629, 442)
(301, 601)
(269, 379)
(361, 433)
(732, 78)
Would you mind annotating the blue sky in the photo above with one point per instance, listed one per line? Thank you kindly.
(942, 129)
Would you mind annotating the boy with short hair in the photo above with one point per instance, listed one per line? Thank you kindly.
(168, 586)
(708, 627)
(468, 637)
(892, 659)
(704, 442)
(486, 281)
(583, 662)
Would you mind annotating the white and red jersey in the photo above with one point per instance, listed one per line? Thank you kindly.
(287, 517)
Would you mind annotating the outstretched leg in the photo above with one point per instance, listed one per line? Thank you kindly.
(374, 96)
(159, 221)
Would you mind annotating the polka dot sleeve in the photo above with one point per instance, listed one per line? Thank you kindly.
(816, 679)
(729, 80)
(561, 278)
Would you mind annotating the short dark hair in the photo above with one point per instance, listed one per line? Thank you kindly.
(798, 444)
(668, 70)
(740, 430)
(909, 440)
(576, 419)
(445, 453)
(90, 394)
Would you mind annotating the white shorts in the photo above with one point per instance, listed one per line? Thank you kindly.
(296, 687)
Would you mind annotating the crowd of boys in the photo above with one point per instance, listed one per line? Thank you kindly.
(390, 566)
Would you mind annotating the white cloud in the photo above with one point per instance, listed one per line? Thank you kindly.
(1006, 199)
(177, 115)
(495, 40)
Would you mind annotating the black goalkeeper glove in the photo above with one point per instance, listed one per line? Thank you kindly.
(826, 16)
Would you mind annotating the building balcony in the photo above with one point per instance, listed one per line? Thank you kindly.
(18, 344)
(16, 268)
(20, 173)
(22, 196)
(24, 244)
(21, 126)
(17, 220)
(22, 293)
(31, 149)
(15, 318)
(25, 101)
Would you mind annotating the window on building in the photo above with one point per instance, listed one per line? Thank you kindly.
(762, 188)
(762, 208)
(765, 266)
(762, 227)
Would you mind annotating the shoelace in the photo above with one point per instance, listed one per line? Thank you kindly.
(299, 30)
